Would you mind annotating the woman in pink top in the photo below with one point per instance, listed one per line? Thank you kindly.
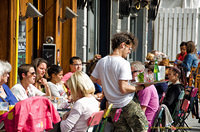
(82, 91)
(148, 97)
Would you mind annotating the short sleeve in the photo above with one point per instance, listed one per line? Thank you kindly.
(54, 90)
(144, 96)
(125, 71)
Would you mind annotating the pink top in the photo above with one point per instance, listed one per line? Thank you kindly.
(66, 76)
(149, 97)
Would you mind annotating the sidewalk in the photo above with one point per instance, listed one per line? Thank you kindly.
(193, 124)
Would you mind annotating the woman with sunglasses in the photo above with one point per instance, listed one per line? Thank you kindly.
(25, 88)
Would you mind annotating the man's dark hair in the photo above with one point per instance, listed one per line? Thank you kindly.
(38, 61)
(54, 69)
(183, 44)
(71, 61)
(24, 68)
(190, 47)
(127, 38)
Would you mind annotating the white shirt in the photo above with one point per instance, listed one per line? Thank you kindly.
(79, 115)
(20, 93)
(110, 70)
(57, 89)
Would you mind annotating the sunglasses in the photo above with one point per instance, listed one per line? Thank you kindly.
(128, 46)
(135, 71)
(32, 73)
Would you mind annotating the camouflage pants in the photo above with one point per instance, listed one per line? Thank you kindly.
(132, 118)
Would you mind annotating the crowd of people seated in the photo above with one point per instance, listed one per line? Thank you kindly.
(108, 81)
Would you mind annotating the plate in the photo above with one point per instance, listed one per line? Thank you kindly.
(147, 83)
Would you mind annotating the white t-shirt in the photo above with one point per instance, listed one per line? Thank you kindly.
(20, 93)
(57, 89)
(110, 70)
(79, 115)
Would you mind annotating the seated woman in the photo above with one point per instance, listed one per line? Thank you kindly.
(82, 91)
(148, 97)
(57, 88)
(183, 48)
(5, 94)
(190, 59)
(40, 66)
(25, 88)
(174, 89)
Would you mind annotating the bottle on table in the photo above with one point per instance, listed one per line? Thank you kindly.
(156, 71)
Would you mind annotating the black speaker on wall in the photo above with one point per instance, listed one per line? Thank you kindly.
(49, 53)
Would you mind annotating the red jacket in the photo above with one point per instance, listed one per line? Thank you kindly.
(34, 114)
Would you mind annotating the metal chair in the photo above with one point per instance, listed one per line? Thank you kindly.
(162, 98)
(163, 120)
(95, 119)
(178, 104)
(182, 116)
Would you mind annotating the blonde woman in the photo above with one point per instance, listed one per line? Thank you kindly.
(82, 91)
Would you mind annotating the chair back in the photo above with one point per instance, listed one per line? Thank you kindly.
(32, 114)
(194, 92)
(181, 95)
(162, 98)
(95, 118)
(185, 105)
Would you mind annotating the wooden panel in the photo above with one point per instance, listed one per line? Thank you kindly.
(58, 33)
(12, 16)
(74, 21)
(68, 37)
(49, 18)
(29, 32)
(40, 27)
(4, 34)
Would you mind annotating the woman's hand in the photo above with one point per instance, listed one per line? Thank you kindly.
(43, 81)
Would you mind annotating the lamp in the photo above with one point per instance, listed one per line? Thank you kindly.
(69, 14)
(31, 11)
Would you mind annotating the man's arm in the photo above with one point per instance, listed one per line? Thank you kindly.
(126, 88)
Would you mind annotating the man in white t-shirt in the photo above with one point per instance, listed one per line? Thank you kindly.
(25, 88)
(115, 72)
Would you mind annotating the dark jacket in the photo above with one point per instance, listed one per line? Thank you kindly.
(171, 98)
